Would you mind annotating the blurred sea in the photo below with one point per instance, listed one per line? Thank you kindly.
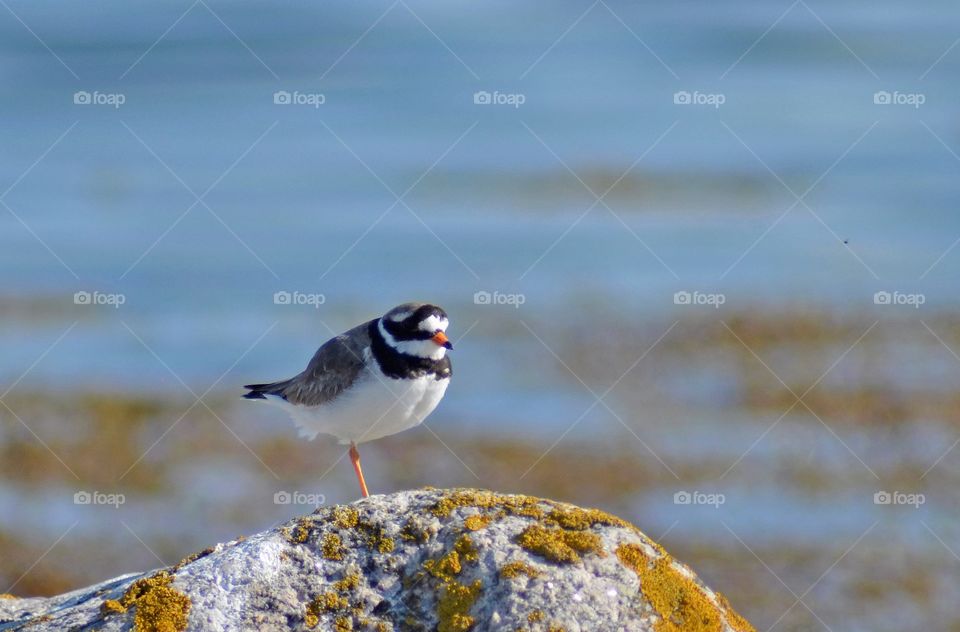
(199, 198)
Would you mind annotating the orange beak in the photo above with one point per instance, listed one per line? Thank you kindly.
(441, 339)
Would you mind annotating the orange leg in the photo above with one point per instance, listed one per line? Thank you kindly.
(355, 459)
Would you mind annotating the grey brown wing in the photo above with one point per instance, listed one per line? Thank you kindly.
(334, 367)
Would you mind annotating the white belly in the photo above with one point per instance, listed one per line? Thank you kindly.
(373, 407)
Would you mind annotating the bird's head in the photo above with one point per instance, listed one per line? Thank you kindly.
(417, 329)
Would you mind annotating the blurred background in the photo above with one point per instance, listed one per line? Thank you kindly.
(700, 262)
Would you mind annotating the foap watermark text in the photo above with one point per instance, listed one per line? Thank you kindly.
(698, 498)
(312, 99)
(299, 298)
(714, 300)
(899, 498)
(482, 297)
(913, 99)
(712, 99)
(899, 298)
(98, 498)
(298, 498)
(514, 99)
(112, 99)
(99, 298)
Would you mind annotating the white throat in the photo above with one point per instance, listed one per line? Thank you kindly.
(418, 348)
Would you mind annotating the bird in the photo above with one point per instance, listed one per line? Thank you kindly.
(379, 378)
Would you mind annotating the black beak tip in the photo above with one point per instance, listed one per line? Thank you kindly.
(448, 345)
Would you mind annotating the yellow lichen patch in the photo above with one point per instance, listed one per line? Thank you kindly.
(456, 599)
(335, 600)
(193, 557)
(520, 505)
(733, 617)
(346, 517)
(327, 602)
(332, 547)
(412, 531)
(477, 521)
(453, 609)
(377, 538)
(350, 582)
(536, 616)
(464, 546)
(8, 596)
(343, 624)
(159, 607)
(559, 545)
(299, 533)
(449, 565)
(529, 511)
(581, 519)
(512, 570)
(111, 606)
(680, 603)
(331, 601)
(444, 567)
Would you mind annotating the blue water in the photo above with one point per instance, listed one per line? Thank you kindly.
(292, 208)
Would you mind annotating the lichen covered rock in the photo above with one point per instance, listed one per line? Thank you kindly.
(447, 560)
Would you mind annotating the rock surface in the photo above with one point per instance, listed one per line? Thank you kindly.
(447, 560)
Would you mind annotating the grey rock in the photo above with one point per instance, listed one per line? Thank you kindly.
(448, 560)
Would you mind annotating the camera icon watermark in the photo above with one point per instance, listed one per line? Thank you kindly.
(899, 498)
(514, 99)
(299, 298)
(712, 99)
(99, 298)
(714, 300)
(113, 99)
(298, 498)
(699, 498)
(483, 297)
(899, 298)
(312, 99)
(913, 99)
(99, 498)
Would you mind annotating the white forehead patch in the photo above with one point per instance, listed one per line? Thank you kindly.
(433, 323)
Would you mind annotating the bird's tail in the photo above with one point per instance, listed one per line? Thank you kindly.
(260, 391)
